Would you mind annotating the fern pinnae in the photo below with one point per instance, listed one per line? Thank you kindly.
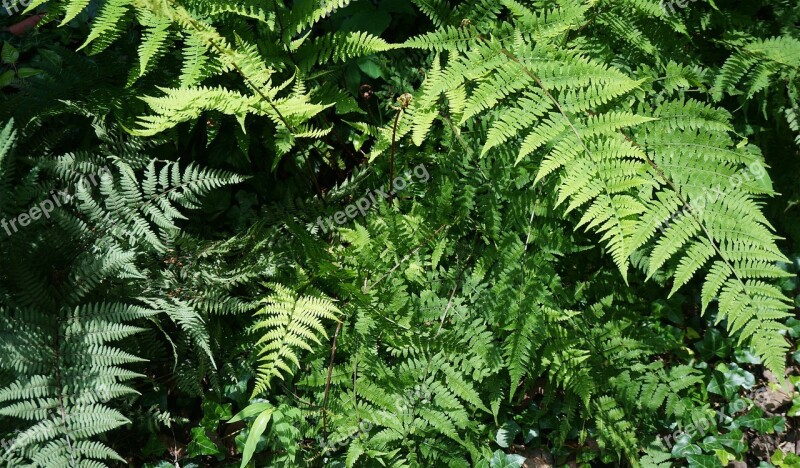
(290, 323)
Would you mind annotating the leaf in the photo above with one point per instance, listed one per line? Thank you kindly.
(201, 444)
(354, 451)
(6, 78)
(25, 72)
(746, 356)
(9, 53)
(727, 382)
(252, 410)
(531, 434)
(502, 460)
(754, 419)
(795, 409)
(713, 344)
(732, 440)
(370, 67)
(506, 434)
(703, 461)
(213, 413)
(684, 446)
(794, 327)
(256, 430)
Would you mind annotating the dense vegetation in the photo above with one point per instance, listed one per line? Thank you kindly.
(401, 233)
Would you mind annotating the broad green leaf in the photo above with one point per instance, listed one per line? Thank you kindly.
(256, 430)
(25, 72)
(370, 67)
(754, 419)
(684, 446)
(502, 460)
(6, 78)
(252, 410)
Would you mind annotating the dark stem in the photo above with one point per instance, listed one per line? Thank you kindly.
(391, 155)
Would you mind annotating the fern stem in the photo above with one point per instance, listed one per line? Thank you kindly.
(328, 384)
(449, 303)
(194, 24)
(538, 81)
(60, 390)
(460, 140)
(391, 154)
(455, 286)
(686, 204)
(577, 133)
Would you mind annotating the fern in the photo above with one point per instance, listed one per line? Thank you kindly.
(595, 200)
(290, 323)
(756, 64)
(68, 377)
(602, 171)
(62, 394)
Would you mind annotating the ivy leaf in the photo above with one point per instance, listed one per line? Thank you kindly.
(746, 356)
(727, 381)
(703, 461)
(213, 413)
(502, 460)
(507, 433)
(787, 460)
(754, 420)
(201, 444)
(732, 440)
(713, 344)
(684, 446)
(794, 327)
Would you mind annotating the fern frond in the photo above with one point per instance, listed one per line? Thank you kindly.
(290, 323)
(755, 65)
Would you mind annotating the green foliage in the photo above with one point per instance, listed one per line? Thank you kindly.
(289, 323)
(398, 233)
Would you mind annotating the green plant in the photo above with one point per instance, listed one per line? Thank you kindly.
(599, 258)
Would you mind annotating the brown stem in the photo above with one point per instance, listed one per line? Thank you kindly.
(391, 155)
